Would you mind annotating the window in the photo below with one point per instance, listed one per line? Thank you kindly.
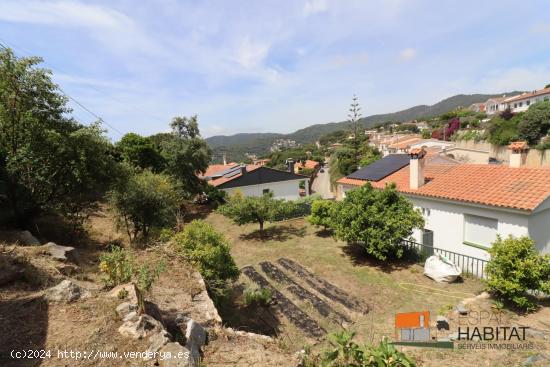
(528, 102)
(515, 105)
(521, 104)
(479, 231)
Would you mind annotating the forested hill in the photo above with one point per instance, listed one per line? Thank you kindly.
(258, 143)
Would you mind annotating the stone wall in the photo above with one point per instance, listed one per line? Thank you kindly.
(535, 158)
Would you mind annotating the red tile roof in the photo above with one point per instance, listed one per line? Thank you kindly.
(518, 145)
(536, 93)
(307, 164)
(215, 168)
(501, 186)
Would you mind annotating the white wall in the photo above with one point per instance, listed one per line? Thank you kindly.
(520, 106)
(539, 227)
(446, 220)
(289, 190)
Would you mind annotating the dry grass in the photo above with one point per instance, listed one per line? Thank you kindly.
(388, 288)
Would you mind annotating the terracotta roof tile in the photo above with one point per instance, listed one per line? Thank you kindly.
(536, 93)
(518, 145)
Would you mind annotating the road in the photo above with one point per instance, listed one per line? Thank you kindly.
(321, 185)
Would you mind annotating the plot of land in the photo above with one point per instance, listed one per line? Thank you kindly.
(296, 257)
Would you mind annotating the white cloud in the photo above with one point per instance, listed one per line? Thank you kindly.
(408, 54)
(541, 28)
(352, 59)
(251, 54)
(315, 6)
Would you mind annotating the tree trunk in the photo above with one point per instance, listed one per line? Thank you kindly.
(262, 228)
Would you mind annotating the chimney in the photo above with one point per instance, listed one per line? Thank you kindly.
(243, 169)
(224, 160)
(290, 163)
(518, 153)
(416, 168)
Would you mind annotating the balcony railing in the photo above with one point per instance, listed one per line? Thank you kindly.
(469, 265)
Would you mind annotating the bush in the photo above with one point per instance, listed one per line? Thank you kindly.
(321, 213)
(146, 276)
(345, 352)
(257, 296)
(514, 268)
(378, 220)
(205, 248)
(145, 200)
(502, 131)
(117, 266)
(535, 122)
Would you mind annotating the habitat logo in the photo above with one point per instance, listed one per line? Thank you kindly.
(475, 330)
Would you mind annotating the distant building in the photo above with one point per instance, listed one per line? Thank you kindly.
(477, 107)
(307, 164)
(523, 101)
(495, 105)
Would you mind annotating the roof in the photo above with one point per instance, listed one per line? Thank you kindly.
(518, 145)
(500, 186)
(495, 99)
(526, 95)
(254, 175)
(381, 168)
(404, 144)
(307, 164)
(213, 169)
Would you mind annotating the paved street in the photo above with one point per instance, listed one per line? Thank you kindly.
(321, 185)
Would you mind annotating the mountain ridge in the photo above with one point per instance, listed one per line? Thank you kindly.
(258, 143)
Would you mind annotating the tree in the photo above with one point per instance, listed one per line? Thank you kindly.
(378, 220)
(47, 160)
(207, 249)
(186, 153)
(145, 200)
(140, 152)
(252, 209)
(535, 122)
(321, 213)
(515, 268)
(354, 116)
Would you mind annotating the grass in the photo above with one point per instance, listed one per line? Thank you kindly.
(379, 284)
(257, 296)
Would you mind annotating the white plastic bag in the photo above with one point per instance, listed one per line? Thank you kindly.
(441, 269)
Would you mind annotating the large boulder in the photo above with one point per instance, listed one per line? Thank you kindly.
(195, 336)
(127, 291)
(26, 238)
(62, 253)
(139, 326)
(66, 291)
(9, 270)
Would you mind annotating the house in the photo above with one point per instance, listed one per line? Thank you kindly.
(308, 164)
(523, 101)
(495, 105)
(465, 206)
(477, 107)
(256, 180)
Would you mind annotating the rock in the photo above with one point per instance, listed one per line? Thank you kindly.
(144, 326)
(126, 308)
(182, 356)
(461, 309)
(67, 269)
(203, 305)
(26, 238)
(130, 292)
(132, 316)
(158, 341)
(9, 272)
(195, 336)
(62, 253)
(533, 359)
(66, 291)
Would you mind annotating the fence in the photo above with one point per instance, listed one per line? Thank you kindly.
(470, 265)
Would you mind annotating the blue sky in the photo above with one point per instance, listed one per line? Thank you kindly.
(276, 66)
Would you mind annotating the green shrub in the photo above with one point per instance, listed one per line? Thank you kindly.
(146, 276)
(257, 296)
(515, 268)
(344, 352)
(205, 248)
(321, 213)
(117, 266)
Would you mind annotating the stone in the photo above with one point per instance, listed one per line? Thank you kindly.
(195, 336)
(461, 309)
(158, 341)
(62, 253)
(66, 291)
(203, 305)
(9, 272)
(26, 238)
(126, 308)
(181, 356)
(143, 327)
(132, 292)
(67, 269)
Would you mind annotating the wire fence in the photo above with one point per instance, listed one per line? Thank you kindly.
(469, 265)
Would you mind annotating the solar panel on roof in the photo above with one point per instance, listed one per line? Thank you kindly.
(381, 168)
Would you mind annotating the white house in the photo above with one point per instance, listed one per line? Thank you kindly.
(523, 101)
(256, 180)
(465, 206)
(495, 105)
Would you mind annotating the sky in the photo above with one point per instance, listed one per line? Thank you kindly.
(275, 66)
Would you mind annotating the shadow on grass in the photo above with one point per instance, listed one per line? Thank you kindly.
(359, 257)
(253, 319)
(278, 233)
(324, 233)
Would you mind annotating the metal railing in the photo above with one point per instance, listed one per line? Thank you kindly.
(468, 264)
